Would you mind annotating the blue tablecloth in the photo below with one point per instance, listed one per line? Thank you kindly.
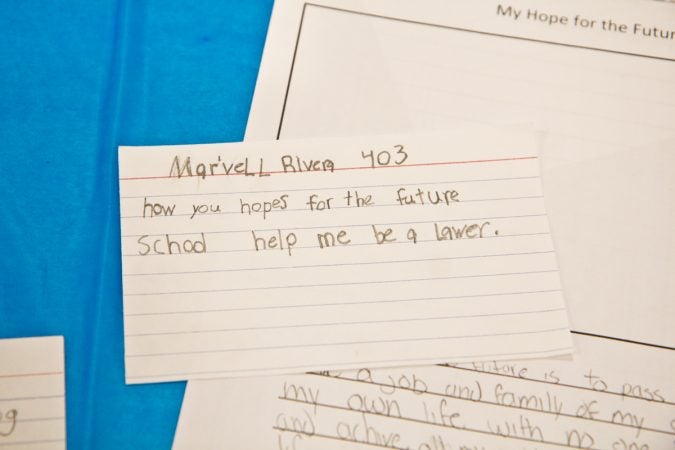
(79, 78)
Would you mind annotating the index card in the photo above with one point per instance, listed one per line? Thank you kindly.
(614, 395)
(281, 257)
(32, 393)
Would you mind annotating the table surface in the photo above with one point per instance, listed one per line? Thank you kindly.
(78, 79)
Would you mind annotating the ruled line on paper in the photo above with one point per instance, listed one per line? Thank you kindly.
(330, 324)
(316, 305)
(379, 445)
(364, 263)
(32, 397)
(337, 438)
(333, 344)
(31, 442)
(38, 374)
(40, 419)
(400, 166)
(389, 205)
(378, 282)
(378, 363)
(330, 188)
(417, 421)
(345, 235)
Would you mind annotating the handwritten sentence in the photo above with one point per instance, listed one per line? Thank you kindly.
(287, 240)
(375, 398)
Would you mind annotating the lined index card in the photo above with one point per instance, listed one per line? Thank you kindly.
(282, 257)
(32, 393)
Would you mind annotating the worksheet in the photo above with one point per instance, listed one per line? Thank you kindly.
(290, 256)
(595, 79)
(615, 395)
(32, 394)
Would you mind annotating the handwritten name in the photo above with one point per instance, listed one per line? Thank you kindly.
(186, 167)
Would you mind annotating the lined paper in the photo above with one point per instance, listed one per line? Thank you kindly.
(391, 251)
(32, 393)
(601, 400)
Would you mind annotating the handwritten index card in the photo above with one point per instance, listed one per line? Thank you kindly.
(32, 393)
(280, 257)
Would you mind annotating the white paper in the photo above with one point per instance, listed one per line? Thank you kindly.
(32, 393)
(404, 250)
(603, 99)
(602, 400)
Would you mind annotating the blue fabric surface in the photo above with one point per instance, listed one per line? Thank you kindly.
(79, 78)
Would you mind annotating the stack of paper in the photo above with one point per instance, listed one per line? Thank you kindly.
(445, 173)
